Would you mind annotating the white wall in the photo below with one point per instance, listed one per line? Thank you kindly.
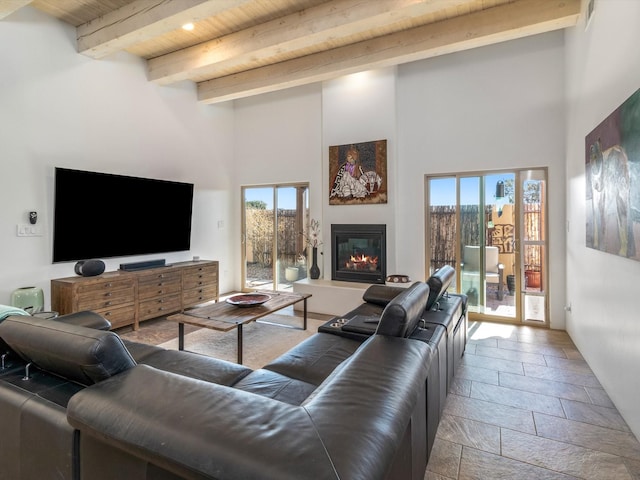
(277, 140)
(496, 107)
(360, 108)
(492, 108)
(60, 108)
(602, 72)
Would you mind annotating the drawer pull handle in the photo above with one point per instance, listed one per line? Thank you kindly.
(108, 285)
(107, 314)
(107, 304)
(108, 294)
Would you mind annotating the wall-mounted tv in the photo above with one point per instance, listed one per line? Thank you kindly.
(100, 215)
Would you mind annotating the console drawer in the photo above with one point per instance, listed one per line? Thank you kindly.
(158, 306)
(110, 285)
(201, 276)
(196, 296)
(106, 299)
(120, 316)
(159, 285)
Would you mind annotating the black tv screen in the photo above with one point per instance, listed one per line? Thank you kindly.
(100, 215)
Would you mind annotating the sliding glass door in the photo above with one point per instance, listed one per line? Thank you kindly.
(273, 219)
(491, 228)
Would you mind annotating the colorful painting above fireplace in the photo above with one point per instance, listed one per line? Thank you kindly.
(358, 173)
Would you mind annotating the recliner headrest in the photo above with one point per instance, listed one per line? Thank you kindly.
(80, 354)
(401, 316)
(438, 284)
(381, 294)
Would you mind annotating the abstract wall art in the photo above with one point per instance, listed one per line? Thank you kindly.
(612, 173)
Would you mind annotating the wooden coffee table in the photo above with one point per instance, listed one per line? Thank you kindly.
(223, 316)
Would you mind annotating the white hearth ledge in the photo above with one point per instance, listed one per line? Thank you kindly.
(330, 297)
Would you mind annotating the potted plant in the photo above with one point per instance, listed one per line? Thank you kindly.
(532, 276)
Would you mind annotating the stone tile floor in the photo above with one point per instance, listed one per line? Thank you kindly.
(525, 405)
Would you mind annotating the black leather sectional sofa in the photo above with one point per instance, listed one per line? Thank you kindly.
(77, 402)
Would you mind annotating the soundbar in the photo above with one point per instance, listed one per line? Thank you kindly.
(133, 266)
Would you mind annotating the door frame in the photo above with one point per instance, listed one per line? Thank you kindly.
(301, 215)
(518, 268)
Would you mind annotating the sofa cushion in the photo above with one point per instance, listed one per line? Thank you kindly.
(401, 316)
(438, 284)
(276, 386)
(315, 358)
(79, 354)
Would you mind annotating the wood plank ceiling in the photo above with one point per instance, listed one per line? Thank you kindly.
(239, 48)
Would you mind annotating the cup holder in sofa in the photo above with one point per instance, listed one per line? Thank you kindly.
(338, 322)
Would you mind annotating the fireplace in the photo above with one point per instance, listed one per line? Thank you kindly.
(359, 253)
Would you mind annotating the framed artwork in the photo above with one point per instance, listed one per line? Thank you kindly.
(358, 173)
(612, 173)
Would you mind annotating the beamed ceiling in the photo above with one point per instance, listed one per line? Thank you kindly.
(240, 48)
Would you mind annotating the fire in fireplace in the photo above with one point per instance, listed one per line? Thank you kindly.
(358, 253)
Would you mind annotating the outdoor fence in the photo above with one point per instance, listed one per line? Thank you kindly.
(260, 237)
(443, 232)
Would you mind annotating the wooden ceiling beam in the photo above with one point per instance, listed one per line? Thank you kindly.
(497, 24)
(7, 7)
(324, 23)
(143, 20)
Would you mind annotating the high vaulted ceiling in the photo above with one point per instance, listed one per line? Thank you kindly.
(240, 48)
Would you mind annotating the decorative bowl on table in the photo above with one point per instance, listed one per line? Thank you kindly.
(248, 299)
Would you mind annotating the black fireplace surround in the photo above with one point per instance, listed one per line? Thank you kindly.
(359, 253)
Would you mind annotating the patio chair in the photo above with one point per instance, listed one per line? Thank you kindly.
(494, 270)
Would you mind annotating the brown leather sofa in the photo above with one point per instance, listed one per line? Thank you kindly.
(76, 402)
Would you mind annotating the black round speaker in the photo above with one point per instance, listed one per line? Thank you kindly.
(89, 268)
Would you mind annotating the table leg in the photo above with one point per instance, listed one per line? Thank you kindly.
(180, 336)
(240, 343)
(305, 314)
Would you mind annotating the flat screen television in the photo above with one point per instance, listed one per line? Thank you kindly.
(100, 215)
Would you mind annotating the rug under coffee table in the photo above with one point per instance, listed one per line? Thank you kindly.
(223, 316)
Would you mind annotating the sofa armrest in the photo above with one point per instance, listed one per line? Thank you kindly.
(85, 319)
(197, 429)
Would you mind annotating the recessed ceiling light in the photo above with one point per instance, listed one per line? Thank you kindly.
(188, 26)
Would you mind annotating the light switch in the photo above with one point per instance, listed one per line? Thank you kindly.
(28, 230)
